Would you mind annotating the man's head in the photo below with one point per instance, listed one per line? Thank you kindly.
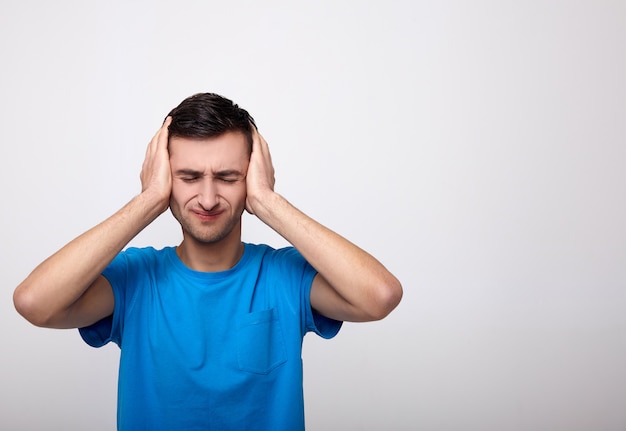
(208, 115)
(210, 144)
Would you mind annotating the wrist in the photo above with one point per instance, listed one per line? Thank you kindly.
(152, 203)
(264, 205)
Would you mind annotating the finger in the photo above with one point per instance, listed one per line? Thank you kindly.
(265, 150)
(260, 142)
(267, 161)
(255, 139)
(160, 138)
(150, 148)
(164, 132)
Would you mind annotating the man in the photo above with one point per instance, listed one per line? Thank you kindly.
(210, 331)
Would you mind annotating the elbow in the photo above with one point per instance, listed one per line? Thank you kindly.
(388, 297)
(27, 305)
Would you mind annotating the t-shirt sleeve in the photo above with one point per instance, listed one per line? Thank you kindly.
(99, 333)
(323, 326)
(109, 328)
(312, 321)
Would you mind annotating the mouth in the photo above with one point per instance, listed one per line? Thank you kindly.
(207, 215)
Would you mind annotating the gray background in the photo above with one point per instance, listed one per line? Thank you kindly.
(476, 148)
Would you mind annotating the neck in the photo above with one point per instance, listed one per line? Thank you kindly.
(210, 257)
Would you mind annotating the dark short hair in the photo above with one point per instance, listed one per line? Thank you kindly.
(207, 115)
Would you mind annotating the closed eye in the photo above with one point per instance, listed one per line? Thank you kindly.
(227, 180)
(189, 179)
(188, 175)
(228, 176)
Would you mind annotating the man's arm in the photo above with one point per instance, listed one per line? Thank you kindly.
(351, 285)
(67, 290)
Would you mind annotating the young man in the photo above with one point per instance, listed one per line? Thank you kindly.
(210, 331)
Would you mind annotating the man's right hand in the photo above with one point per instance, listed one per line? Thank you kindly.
(156, 176)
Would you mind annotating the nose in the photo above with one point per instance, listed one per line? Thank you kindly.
(208, 197)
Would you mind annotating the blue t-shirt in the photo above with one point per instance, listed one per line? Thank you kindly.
(210, 351)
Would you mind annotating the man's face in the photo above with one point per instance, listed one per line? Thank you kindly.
(209, 185)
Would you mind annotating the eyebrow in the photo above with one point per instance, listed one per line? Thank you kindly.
(195, 173)
(228, 173)
(189, 172)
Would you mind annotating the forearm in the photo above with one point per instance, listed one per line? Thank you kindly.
(63, 278)
(356, 276)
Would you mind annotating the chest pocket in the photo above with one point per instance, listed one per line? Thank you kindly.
(260, 342)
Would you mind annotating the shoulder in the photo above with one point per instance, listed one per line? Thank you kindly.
(146, 252)
(270, 254)
(141, 257)
(284, 263)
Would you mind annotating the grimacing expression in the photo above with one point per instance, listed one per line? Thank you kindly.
(209, 185)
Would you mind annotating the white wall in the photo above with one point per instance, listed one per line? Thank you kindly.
(476, 148)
